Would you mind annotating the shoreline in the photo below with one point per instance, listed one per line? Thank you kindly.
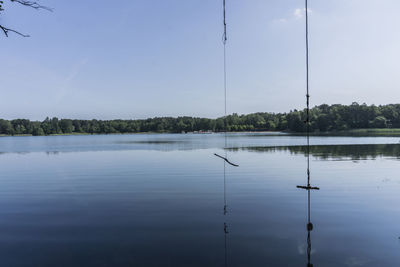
(371, 132)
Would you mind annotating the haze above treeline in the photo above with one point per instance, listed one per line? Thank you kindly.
(323, 118)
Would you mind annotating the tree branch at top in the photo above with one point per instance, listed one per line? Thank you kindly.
(32, 4)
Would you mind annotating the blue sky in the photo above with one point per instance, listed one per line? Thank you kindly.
(145, 58)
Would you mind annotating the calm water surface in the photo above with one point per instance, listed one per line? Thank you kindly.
(158, 200)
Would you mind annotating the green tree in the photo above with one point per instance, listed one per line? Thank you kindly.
(55, 126)
(66, 126)
(379, 122)
(37, 129)
(6, 127)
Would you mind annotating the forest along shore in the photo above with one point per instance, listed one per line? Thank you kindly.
(337, 119)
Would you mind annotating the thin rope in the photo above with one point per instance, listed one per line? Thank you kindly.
(307, 99)
(226, 244)
(309, 188)
(224, 40)
(309, 249)
(309, 206)
(309, 229)
(308, 137)
(225, 205)
(307, 121)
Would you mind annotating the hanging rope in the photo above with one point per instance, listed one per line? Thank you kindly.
(307, 121)
(224, 36)
(224, 40)
(307, 99)
(308, 187)
(225, 158)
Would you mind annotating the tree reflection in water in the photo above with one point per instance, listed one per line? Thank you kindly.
(335, 152)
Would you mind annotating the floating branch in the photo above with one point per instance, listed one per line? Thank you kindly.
(226, 160)
(308, 187)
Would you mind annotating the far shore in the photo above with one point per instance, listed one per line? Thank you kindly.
(393, 132)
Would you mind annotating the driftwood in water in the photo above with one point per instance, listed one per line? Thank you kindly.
(226, 160)
(308, 187)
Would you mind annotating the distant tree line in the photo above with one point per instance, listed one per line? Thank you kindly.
(322, 118)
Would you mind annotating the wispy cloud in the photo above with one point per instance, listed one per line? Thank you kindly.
(300, 12)
(297, 14)
(63, 88)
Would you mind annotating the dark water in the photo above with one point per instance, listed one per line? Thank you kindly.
(158, 200)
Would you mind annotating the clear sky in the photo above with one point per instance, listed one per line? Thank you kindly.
(145, 58)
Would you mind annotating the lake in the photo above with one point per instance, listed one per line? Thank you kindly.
(167, 200)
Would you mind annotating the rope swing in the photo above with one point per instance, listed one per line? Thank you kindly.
(225, 157)
(307, 121)
(224, 40)
(308, 187)
(307, 98)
